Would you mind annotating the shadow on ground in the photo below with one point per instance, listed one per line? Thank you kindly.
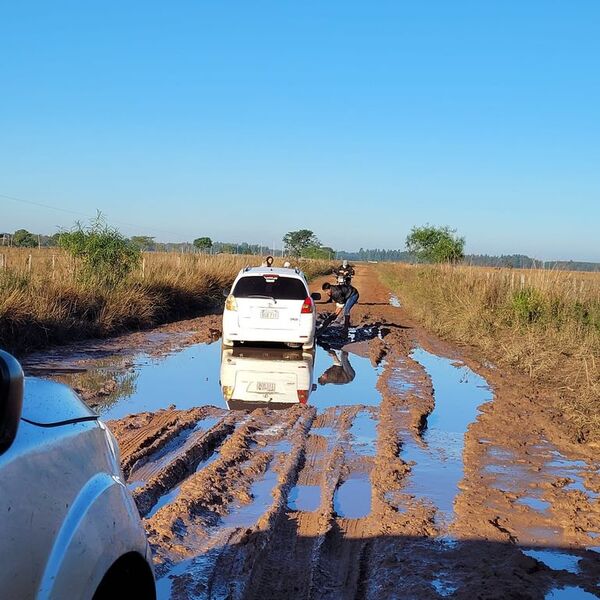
(280, 563)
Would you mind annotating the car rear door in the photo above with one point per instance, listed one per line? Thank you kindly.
(269, 301)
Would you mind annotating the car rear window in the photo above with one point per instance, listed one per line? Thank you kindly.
(282, 288)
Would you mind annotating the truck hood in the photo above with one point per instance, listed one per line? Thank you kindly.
(48, 403)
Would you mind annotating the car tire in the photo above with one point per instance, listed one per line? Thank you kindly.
(129, 577)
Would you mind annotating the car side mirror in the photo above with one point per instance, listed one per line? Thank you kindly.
(315, 296)
(11, 398)
(314, 387)
(226, 292)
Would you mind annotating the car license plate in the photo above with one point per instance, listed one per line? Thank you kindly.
(269, 314)
(265, 386)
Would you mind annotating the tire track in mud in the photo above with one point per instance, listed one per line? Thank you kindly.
(306, 504)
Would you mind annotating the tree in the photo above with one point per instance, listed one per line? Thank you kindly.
(143, 242)
(203, 243)
(435, 244)
(24, 239)
(323, 252)
(105, 255)
(297, 241)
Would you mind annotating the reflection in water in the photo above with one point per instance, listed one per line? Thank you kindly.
(266, 377)
(357, 381)
(253, 377)
(341, 372)
(184, 379)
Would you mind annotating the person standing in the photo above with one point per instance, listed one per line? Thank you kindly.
(345, 296)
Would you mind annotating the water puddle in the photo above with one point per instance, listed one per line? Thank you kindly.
(443, 585)
(438, 466)
(352, 499)
(570, 593)
(541, 479)
(306, 498)
(345, 379)
(201, 374)
(178, 445)
(261, 490)
(555, 559)
(121, 386)
(535, 503)
(364, 433)
(197, 569)
(171, 496)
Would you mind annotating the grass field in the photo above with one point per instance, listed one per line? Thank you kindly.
(42, 301)
(542, 323)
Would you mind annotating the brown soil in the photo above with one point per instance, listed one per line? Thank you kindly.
(214, 487)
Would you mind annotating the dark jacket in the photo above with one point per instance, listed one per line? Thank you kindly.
(340, 372)
(341, 293)
(345, 271)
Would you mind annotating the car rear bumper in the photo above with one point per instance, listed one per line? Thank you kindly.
(232, 332)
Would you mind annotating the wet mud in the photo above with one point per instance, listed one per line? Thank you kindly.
(403, 469)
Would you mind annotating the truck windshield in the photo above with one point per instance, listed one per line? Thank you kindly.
(270, 286)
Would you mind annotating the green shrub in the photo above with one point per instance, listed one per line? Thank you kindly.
(527, 305)
(104, 255)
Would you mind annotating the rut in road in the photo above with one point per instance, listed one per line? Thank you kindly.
(342, 500)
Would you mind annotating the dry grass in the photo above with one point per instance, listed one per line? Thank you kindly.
(42, 301)
(543, 323)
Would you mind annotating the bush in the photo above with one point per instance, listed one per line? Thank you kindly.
(527, 305)
(105, 256)
(435, 244)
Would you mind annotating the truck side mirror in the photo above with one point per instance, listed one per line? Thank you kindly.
(11, 398)
(226, 292)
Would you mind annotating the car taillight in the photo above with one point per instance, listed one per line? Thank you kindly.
(230, 303)
(307, 306)
(302, 396)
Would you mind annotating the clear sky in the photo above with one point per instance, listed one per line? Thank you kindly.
(244, 120)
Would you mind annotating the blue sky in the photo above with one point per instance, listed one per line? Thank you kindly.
(244, 120)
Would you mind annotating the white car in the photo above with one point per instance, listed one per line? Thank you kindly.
(267, 304)
(69, 526)
(266, 377)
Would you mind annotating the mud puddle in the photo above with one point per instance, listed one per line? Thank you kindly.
(345, 379)
(195, 375)
(333, 494)
(569, 593)
(436, 454)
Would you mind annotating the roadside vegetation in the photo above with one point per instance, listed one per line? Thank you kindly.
(97, 283)
(542, 323)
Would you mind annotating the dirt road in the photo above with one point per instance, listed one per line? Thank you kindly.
(415, 470)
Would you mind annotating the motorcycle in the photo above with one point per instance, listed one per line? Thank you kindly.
(344, 276)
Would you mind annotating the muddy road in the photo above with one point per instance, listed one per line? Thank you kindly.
(404, 468)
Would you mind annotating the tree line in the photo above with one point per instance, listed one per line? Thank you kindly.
(426, 244)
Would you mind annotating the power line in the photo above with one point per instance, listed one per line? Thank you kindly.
(65, 210)
(81, 214)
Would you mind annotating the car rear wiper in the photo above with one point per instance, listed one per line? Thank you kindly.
(262, 296)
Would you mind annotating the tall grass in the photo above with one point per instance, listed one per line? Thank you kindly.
(42, 301)
(542, 323)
